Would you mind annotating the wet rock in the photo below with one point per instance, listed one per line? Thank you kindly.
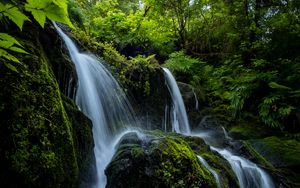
(164, 160)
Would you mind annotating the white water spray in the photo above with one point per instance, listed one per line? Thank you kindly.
(249, 174)
(179, 119)
(213, 172)
(101, 99)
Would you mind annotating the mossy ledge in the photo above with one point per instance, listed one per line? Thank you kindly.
(158, 159)
(41, 138)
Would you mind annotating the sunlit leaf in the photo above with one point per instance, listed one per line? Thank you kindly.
(14, 14)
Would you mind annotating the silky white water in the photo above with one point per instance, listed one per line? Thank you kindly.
(249, 174)
(101, 99)
(179, 119)
(213, 172)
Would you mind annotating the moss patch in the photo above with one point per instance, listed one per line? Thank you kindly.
(284, 154)
(166, 160)
(38, 147)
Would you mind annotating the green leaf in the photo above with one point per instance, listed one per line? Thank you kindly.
(14, 14)
(11, 67)
(39, 16)
(284, 112)
(58, 14)
(274, 85)
(8, 56)
(53, 9)
(8, 42)
(7, 37)
(16, 49)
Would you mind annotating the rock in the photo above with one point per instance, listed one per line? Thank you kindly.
(188, 95)
(41, 134)
(163, 160)
(284, 155)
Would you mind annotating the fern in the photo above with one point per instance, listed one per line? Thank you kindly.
(273, 109)
(180, 62)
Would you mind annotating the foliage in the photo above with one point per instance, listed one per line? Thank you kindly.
(40, 9)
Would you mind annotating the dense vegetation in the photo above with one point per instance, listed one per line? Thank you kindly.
(242, 55)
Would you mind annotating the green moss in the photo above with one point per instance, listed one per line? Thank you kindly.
(280, 151)
(179, 165)
(161, 160)
(284, 154)
(38, 137)
(252, 130)
(257, 157)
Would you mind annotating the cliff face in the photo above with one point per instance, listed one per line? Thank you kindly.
(45, 140)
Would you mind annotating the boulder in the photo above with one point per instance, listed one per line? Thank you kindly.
(157, 159)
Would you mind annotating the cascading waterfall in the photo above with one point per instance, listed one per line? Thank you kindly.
(249, 174)
(179, 119)
(213, 172)
(101, 99)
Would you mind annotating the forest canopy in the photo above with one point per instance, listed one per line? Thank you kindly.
(242, 55)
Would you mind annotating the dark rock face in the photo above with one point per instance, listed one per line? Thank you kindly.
(284, 155)
(45, 140)
(164, 160)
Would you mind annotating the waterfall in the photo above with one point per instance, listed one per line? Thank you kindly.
(213, 172)
(196, 100)
(179, 119)
(100, 97)
(249, 174)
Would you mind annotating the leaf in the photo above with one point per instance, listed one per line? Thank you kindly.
(53, 9)
(284, 112)
(14, 14)
(16, 49)
(274, 85)
(7, 37)
(8, 42)
(8, 56)
(58, 14)
(36, 7)
(11, 67)
(39, 16)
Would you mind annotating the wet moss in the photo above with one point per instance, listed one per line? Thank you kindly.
(284, 155)
(179, 166)
(166, 160)
(38, 147)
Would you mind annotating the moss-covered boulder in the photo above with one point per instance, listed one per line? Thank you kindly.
(41, 141)
(162, 160)
(283, 154)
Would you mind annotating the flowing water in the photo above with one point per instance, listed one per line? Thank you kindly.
(249, 174)
(213, 172)
(101, 99)
(179, 119)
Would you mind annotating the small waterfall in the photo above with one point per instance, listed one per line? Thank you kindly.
(249, 174)
(101, 99)
(179, 119)
(196, 100)
(213, 172)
